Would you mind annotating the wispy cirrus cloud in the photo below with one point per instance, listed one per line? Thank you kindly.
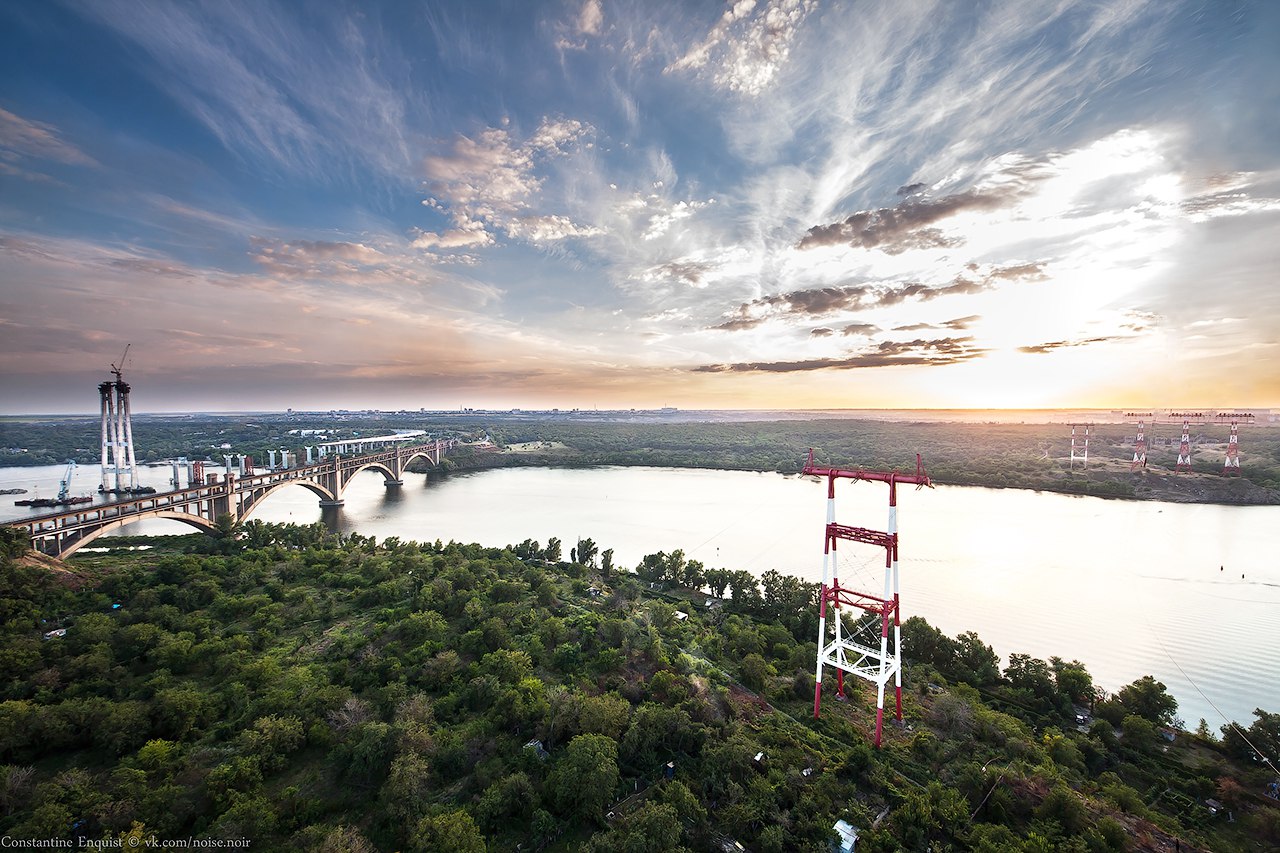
(27, 138)
(27, 147)
(268, 90)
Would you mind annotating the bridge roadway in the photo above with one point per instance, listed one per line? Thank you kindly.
(61, 534)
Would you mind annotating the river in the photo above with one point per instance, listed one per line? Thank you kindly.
(1188, 593)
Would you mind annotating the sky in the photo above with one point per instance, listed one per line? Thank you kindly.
(633, 204)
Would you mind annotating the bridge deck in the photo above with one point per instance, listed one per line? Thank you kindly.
(60, 533)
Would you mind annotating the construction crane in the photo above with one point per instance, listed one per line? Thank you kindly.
(118, 370)
(65, 486)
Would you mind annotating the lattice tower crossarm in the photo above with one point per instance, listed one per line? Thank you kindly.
(877, 665)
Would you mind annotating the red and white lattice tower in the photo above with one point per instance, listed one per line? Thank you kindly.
(1139, 449)
(1184, 449)
(1079, 448)
(1231, 465)
(845, 653)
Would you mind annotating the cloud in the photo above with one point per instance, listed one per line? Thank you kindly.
(688, 271)
(865, 329)
(1226, 195)
(958, 324)
(307, 97)
(747, 50)
(821, 333)
(919, 352)
(337, 262)
(1050, 346)
(908, 225)
(660, 222)
(588, 22)
(590, 18)
(824, 301)
(469, 233)
(151, 267)
(542, 229)
(1016, 272)
(22, 138)
(486, 182)
(1142, 321)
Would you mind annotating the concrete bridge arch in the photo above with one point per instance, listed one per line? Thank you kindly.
(69, 547)
(257, 496)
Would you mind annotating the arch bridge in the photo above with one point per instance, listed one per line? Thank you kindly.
(61, 534)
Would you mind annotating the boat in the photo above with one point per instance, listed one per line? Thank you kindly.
(136, 490)
(64, 497)
(69, 501)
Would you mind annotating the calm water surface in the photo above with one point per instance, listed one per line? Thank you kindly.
(1187, 593)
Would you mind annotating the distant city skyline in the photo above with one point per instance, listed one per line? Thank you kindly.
(764, 204)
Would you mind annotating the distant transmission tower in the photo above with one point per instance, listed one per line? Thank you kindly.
(1080, 448)
(1140, 448)
(850, 653)
(1231, 465)
(1184, 449)
(119, 468)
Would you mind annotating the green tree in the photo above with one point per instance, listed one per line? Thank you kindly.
(450, 831)
(604, 715)
(1064, 808)
(1264, 734)
(976, 662)
(717, 581)
(755, 671)
(584, 779)
(652, 828)
(586, 552)
(935, 814)
(1149, 699)
(1073, 680)
(653, 567)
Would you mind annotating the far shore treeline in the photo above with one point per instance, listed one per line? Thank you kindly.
(288, 688)
(1000, 455)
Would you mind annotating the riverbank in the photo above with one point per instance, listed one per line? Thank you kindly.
(994, 454)
(1107, 478)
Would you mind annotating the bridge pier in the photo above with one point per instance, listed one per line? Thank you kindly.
(397, 469)
(227, 503)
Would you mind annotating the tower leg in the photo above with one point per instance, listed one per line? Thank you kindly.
(822, 639)
(880, 682)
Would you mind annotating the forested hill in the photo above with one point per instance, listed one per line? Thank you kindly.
(281, 688)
